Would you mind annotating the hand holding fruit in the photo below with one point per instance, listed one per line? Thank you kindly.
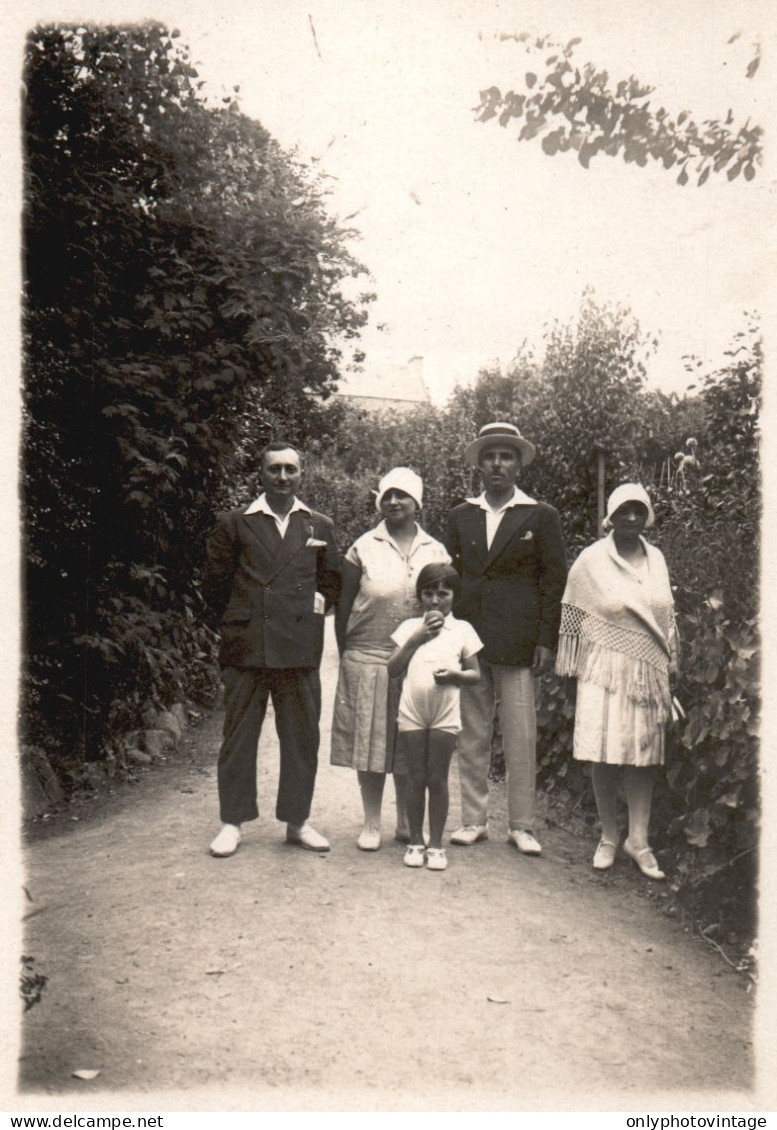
(445, 677)
(433, 622)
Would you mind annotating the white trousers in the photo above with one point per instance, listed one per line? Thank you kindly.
(513, 688)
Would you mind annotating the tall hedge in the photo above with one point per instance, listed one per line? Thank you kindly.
(709, 510)
(184, 289)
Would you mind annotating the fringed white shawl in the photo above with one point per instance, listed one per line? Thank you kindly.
(617, 625)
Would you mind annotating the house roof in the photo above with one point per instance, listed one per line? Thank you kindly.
(390, 382)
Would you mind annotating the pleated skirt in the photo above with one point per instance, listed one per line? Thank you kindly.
(613, 729)
(364, 723)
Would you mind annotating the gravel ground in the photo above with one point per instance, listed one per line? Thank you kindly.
(280, 979)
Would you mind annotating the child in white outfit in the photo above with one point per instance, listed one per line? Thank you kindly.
(438, 655)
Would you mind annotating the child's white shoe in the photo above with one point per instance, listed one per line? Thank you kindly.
(369, 839)
(414, 856)
(436, 859)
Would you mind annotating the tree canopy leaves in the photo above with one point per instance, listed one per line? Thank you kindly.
(579, 108)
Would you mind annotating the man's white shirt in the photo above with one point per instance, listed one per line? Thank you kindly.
(494, 517)
(260, 505)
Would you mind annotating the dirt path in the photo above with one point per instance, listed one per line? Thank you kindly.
(280, 979)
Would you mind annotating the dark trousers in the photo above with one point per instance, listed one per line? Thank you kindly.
(296, 699)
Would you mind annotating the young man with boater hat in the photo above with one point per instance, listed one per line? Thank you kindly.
(509, 551)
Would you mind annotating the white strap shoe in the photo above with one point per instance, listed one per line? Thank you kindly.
(414, 856)
(645, 861)
(436, 859)
(604, 856)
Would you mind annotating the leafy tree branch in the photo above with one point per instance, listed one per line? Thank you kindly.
(579, 108)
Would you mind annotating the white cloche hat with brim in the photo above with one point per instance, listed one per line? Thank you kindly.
(404, 479)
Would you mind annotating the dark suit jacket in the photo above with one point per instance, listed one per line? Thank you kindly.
(261, 587)
(511, 594)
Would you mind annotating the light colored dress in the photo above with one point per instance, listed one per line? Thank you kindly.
(425, 704)
(366, 700)
(627, 636)
(612, 729)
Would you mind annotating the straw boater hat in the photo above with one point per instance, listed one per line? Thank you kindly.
(501, 434)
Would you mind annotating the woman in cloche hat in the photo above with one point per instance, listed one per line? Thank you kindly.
(379, 592)
(618, 639)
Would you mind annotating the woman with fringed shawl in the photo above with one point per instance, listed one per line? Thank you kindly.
(618, 639)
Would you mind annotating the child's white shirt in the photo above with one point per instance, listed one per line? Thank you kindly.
(425, 705)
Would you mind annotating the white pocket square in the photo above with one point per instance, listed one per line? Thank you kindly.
(527, 536)
(316, 543)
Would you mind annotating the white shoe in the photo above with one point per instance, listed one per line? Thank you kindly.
(524, 841)
(470, 834)
(414, 856)
(369, 839)
(306, 837)
(645, 861)
(604, 856)
(226, 842)
(436, 859)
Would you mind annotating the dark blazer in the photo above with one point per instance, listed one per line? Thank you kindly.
(511, 594)
(261, 587)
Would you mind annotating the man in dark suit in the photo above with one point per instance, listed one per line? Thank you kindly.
(509, 551)
(273, 570)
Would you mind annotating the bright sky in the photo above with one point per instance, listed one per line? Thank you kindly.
(476, 241)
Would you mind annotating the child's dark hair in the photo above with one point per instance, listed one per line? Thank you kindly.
(438, 574)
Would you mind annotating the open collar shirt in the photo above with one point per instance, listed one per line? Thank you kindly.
(262, 506)
(494, 517)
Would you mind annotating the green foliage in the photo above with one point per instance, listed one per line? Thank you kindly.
(710, 508)
(709, 530)
(366, 445)
(593, 375)
(583, 396)
(347, 498)
(565, 780)
(185, 292)
(577, 107)
(709, 799)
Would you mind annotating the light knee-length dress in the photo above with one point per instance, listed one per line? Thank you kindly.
(366, 700)
(613, 729)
